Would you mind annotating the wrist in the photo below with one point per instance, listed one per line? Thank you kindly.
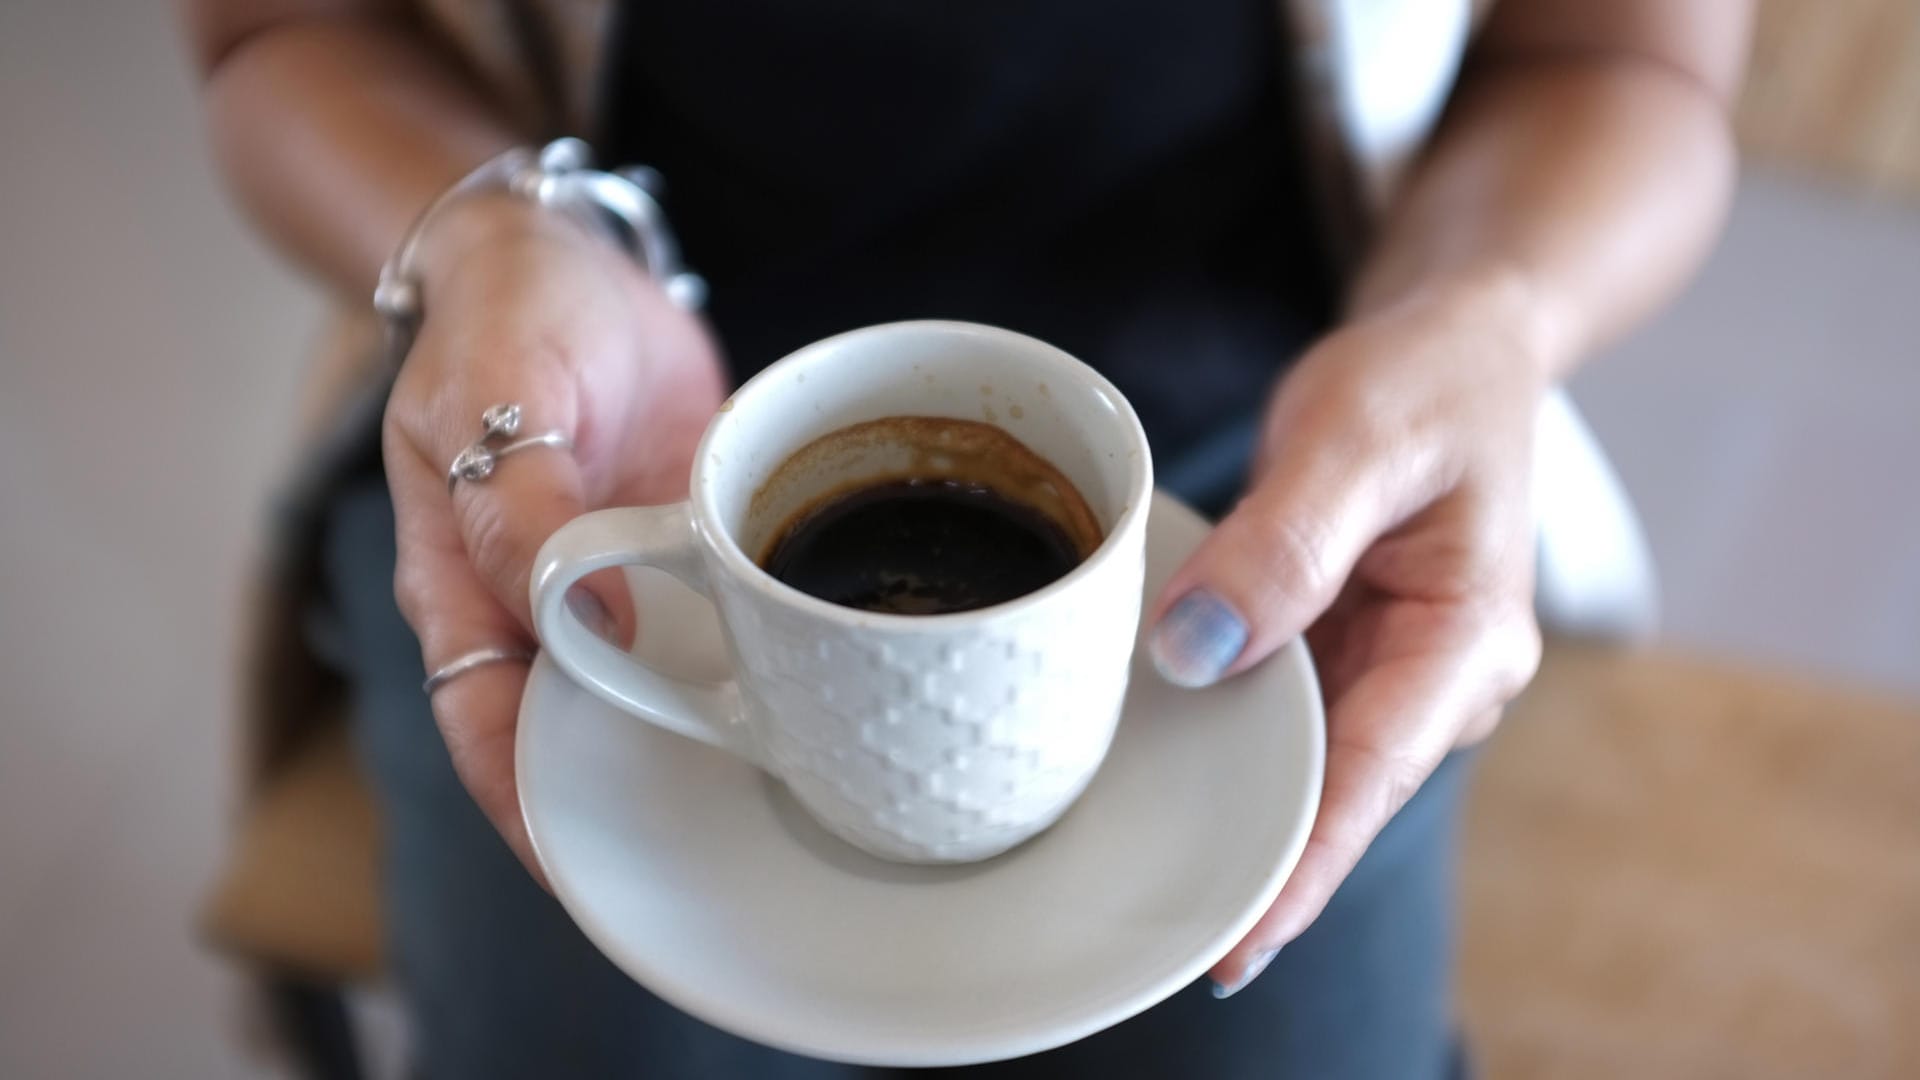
(519, 207)
(489, 227)
(1510, 298)
(1502, 299)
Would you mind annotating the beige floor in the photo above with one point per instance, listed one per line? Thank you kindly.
(1766, 425)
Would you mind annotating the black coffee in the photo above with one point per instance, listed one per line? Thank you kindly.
(921, 547)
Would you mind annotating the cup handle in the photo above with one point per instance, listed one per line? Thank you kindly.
(656, 536)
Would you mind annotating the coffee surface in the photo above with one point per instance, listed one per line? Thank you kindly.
(921, 547)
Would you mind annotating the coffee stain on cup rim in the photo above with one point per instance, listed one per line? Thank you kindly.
(933, 448)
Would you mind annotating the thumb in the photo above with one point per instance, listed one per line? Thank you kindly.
(1269, 569)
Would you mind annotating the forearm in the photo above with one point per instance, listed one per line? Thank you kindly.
(334, 132)
(1575, 191)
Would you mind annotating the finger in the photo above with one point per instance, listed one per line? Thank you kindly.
(453, 613)
(1479, 729)
(477, 712)
(478, 716)
(1380, 749)
(1272, 567)
(1336, 640)
(1385, 736)
(504, 519)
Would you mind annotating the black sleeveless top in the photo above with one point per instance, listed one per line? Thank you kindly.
(1118, 177)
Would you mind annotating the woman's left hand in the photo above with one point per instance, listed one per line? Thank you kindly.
(1389, 520)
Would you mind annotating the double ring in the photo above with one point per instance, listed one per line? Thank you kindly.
(500, 424)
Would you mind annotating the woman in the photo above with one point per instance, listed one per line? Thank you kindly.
(1149, 188)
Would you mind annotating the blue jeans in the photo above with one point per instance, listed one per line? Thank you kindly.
(501, 984)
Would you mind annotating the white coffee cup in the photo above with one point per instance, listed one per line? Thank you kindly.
(919, 738)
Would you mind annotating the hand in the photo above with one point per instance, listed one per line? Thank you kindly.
(523, 307)
(1389, 521)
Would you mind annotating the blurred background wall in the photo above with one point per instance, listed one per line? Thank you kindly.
(148, 346)
(147, 358)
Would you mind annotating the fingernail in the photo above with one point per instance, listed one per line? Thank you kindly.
(1221, 992)
(1196, 639)
(591, 612)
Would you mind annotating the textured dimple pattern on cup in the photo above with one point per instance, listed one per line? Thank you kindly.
(938, 747)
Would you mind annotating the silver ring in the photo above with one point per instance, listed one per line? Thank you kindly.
(477, 462)
(466, 662)
(501, 421)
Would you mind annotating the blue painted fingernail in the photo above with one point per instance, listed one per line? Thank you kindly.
(1254, 968)
(1197, 639)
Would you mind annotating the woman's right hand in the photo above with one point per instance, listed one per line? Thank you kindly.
(522, 306)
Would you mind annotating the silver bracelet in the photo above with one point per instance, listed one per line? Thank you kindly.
(621, 205)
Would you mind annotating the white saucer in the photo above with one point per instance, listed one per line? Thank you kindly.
(703, 880)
